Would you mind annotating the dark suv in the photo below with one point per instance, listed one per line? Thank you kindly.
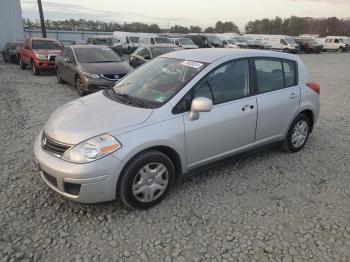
(309, 45)
(206, 41)
(9, 53)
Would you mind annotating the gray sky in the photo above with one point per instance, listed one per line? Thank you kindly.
(184, 12)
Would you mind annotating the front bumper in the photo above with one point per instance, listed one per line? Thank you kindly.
(45, 65)
(97, 179)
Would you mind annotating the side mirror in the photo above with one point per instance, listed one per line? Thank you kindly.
(67, 60)
(200, 104)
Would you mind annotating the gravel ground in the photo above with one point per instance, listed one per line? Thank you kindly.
(269, 206)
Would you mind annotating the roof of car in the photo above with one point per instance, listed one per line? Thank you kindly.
(209, 55)
(159, 45)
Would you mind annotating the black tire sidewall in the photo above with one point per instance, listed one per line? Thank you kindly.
(78, 88)
(124, 188)
(288, 140)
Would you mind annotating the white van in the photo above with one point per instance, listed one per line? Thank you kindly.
(130, 41)
(185, 43)
(154, 40)
(336, 43)
(279, 42)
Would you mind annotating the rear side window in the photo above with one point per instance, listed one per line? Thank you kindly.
(289, 69)
(269, 75)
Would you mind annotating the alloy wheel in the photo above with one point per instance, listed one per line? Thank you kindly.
(300, 133)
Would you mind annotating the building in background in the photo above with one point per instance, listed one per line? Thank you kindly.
(11, 25)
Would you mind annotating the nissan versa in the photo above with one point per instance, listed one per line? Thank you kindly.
(180, 111)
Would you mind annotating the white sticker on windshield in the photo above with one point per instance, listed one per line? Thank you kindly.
(192, 64)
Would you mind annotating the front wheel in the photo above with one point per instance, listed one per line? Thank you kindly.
(146, 180)
(35, 69)
(298, 134)
(79, 86)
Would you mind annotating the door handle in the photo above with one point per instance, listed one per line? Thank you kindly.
(246, 107)
(293, 95)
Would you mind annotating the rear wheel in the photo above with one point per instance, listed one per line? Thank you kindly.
(341, 49)
(146, 180)
(35, 70)
(79, 86)
(298, 134)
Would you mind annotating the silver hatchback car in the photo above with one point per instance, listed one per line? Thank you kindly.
(176, 113)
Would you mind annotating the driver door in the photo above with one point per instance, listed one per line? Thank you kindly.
(231, 124)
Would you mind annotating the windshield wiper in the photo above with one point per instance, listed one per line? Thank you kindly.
(131, 100)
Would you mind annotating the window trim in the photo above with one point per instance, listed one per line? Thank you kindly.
(251, 85)
(281, 60)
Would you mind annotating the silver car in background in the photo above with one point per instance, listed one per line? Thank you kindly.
(181, 111)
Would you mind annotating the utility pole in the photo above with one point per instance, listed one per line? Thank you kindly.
(42, 21)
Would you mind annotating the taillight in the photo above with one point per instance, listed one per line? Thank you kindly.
(314, 87)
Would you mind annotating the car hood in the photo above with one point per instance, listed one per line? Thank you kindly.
(106, 68)
(90, 116)
(46, 51)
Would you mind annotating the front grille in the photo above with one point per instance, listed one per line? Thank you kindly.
(52, 58)
(50, 178)
(52, 146)
(113, 77)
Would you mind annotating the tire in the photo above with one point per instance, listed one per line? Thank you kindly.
(35, 70)
(21, 64)
(58, 76)
(341, 49)
(4, 57)
(79, 86)
(135, 177)
(298, 134)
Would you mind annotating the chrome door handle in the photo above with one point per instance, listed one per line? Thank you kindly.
(293, 95)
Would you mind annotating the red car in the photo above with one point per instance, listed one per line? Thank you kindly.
(40, 53)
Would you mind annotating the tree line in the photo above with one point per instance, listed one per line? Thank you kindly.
(287, 26)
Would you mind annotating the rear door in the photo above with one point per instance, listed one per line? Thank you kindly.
(278, 96)
(231, 123)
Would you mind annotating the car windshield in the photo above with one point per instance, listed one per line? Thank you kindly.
(44, 44)
(186, 41)
(240, 40)
(231, 41)
(134, 39)
(157, 81)
(162, 40)
(290, 41)
(157, 51)
(115, 40)
(214, 39)
(103, 41)
(96, 55)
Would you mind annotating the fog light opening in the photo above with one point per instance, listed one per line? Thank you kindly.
(72, 189)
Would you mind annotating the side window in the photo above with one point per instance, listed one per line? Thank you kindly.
(269, 75)
(177, 42)
(147, 54)
(70, 55)
(141, 52)
(336, 41)
(65, 52)
(289, 73)
(226, 83)
(283, 42)
(152, 41)
(127, 40)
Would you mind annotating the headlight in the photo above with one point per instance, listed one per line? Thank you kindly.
(95, 76)
(92, 149)
(41, 57)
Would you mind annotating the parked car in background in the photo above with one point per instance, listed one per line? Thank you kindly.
(39, 53)
(279, 42)
(308, 45)
(155, 40)
(336, 43)
(90, 68)
(129, 41)
(67, 42)
(146, 53)
(174, 114)
(230, 43)
(185, 43)
(206, 40)
(9, 53)
(106, 40)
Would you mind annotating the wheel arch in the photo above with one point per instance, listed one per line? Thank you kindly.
(166, 150)
(311, 117)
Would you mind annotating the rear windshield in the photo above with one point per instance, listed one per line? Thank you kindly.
(162, 40)
(96, 55)
(44, 44)
(157, 51)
